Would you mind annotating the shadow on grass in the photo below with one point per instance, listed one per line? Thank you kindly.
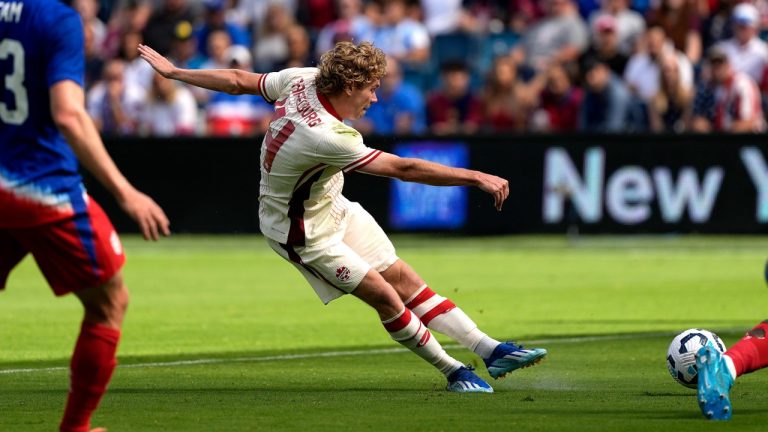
(257, 356)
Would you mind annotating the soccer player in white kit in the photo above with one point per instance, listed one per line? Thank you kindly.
(335, 243)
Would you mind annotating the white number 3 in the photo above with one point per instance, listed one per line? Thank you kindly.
(15, 83)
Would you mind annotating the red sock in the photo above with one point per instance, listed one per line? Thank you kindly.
(751, 352)
(92, 364)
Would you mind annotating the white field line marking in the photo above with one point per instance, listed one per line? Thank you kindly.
(326, 354)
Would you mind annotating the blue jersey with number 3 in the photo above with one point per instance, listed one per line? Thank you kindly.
(41, 44)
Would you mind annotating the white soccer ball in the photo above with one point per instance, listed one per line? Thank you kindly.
(681, 355)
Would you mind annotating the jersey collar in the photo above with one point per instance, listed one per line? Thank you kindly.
(328, 106)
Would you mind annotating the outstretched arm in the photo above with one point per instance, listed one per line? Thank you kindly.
(431, 173)
(232, 81)
(68, 111)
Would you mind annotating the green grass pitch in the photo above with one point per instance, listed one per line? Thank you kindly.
(222, 335)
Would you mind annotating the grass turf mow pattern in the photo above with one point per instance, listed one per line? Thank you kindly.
(222, 334)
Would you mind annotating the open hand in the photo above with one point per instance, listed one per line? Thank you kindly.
(161, 64)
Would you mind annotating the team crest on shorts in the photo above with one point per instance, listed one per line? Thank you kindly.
(343, 273)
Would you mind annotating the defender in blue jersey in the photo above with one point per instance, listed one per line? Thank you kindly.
(44, 208)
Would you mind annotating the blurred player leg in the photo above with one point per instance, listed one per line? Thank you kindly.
(93, 360)
(11, 253)
(750, 353)
(83, 255)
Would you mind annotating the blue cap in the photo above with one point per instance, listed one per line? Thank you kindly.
(215, 5)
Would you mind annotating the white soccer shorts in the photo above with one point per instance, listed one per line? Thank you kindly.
(337, 267)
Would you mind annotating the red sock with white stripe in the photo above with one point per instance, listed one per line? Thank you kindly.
(90, 370)
(751, 352)
(440, 314)
(407, 329)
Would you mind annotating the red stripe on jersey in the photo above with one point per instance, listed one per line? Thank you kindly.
(378, 153)
(363, 161)
(400, 322)
(262, 84)
(296, 233)
(274, 144)
(442, 308)
(423, 296)
(328, 106)
(308, 172)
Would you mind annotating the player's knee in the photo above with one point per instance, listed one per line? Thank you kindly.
(106, 304)
(117, 298)
(384, 301)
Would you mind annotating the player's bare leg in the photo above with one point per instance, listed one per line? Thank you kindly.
(93, 360)
(442, 315)
(407, 329)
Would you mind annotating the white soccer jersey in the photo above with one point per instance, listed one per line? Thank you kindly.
(303, 157)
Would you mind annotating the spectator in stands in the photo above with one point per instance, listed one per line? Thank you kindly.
(681, 23)
(237, 115)
(128, 16)
(351, 25)
(115, 104)
(401, 37)
(218, 43)
(446, 16)
(94, 64)
(628, 25)
(252, 14)
(669, 110)
(299, 49)
(642, 71)
(89, 10)
(737, 97)
(453, 108)
(137, 71)
(162, 24)
(271, 47)
(703, 107)
(559, 103)
(746, 51)
(607, 100)
(215, 19)
(717, 25)
(495, 15)
(315, 14)
(184, 47)
(506, 100)
(605, 44)
(561, 36)
(400, 108)
(170, 110)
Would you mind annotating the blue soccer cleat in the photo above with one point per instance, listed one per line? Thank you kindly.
(464, 380)
(714, 383)
(508, 357)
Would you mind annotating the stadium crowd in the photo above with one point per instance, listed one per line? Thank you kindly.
(471, 66)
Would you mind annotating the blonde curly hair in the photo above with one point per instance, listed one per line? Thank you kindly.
(349, 65)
